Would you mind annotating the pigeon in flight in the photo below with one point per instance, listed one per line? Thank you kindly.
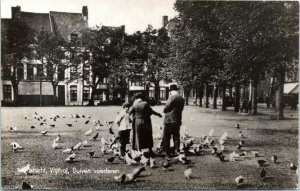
(77, 146)
(71, 158)
(88, 133)
(13, 129)
(58, 138)
(44, 133)
(94, 138)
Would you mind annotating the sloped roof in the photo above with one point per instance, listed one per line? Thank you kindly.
(291, 88)
(37, 21)
(66, 23)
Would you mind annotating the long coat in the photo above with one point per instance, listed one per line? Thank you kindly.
(142, 128)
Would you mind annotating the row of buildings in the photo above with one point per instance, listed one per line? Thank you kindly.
(35, 90)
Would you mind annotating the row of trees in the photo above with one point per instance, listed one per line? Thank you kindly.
(232, 44)
(227, 44)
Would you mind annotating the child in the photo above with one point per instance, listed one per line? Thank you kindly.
(123, 121)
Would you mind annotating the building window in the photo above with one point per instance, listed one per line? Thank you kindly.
(151, 93)
(86, 93)
(98, 95)
(61, 73)
(163, 94)
(21, 72)
(6, 71)
(29, 72)
(73, 92)
(7, 92)
(73, 72)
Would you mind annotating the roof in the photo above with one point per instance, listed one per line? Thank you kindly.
(37, 21)
(291, 88)
(66, 23)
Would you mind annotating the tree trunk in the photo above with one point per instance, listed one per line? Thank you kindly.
(206, 96)
(157, 90)
(196, 98)
(279, 95)
(224, 101)
(16, 93)
(237, 98)
(254, 97)
(244, 92)
(186, 97)
(215, 96)
(54, 94)
(230, 91)
(92, 100)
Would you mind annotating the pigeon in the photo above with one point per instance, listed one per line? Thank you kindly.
(187, 173)
(91, 154)
(166, 166)
(152, 162)
(83, 116)
(25, 169)
(110, 130)
(85, 143)
(135, 173)
(69, 124)
(95, 137)
(57, 139)
(68, 150)
(25, 117)
(120, 178)
(239, 147)
(212, 142)
(237, 126)
(55, 145)
(263, 173)
(241, 134)
(232, 156)
(221, 141)
(222, 158)
(243, 154)
(274, 158)
(42, 123)
(26, 186)
(293, 166)
(103, 150)
(214, 150)
(103, 141)
(255, 153)
(98, 128)
(13, 129)
(71, 158)
(110, 160)
(261, 162)
(109, 122)
(36, 113)
(144, 160)
(77, 146)
(52, 125)
(129, 160)
(88, 116)
(239, 180)
(32, 127)
(16, 146)
(44, 133)
(87, 122)
(88, 133)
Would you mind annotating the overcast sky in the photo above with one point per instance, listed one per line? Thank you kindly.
(134, 14)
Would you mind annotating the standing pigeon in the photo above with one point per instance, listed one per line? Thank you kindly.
(71, 158)
(263, 173)
(26, 186)
(166, 165)
(16, 146)
(261, 162)
(95, 137)
(69, 124)
(239, 180)
(13, 129)
(91, 154)
(274, 158)
(52, 125)
(187, 173)
(77, 146)
(32, 127)
(237, 126)
(87, 122)
(88, 133)
(110, 160)
(120, 178)
(293, 166)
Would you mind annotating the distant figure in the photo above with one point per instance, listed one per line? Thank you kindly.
(173, 116)
(123, 122)
(142, 128)
(268, 100)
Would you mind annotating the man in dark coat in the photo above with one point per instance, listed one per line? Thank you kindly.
(172, 121)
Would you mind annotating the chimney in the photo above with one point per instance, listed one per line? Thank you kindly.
(85, 13)
(15, 12)
(164, 21)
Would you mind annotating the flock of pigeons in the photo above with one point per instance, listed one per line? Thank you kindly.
(189, 146)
